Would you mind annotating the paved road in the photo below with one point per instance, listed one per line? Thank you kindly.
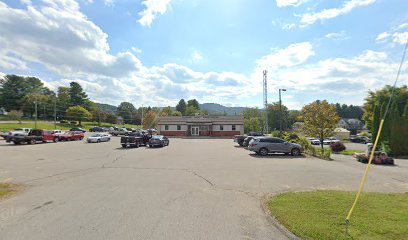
(193, 189)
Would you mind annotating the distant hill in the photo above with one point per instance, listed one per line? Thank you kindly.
(218, 108)
(107, 108)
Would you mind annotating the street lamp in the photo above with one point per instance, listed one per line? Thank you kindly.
(280, 109)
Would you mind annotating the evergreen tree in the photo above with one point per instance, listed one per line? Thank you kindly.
(77, 95)
(181, 106)
(396, 139)
(376, 121)
(385, 134)
(193, 103)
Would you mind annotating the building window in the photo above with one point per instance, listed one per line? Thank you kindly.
(166, 127)
(221, 128)
(234, 128)
(178, 127)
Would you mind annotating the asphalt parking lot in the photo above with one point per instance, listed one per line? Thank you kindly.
(192, 189)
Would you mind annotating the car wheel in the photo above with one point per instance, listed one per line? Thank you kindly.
(81, 138)
(108, 140)
(263, 151)
(240, 144)
(15, 142)
(295, 152)
(124, 145)
(99, 140)
(32, 141)
(56, 140)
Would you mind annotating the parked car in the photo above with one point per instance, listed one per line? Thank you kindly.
(314, 141)
(78, 129)
(360, 139)
(97, 129)
(71, 135)
(15, 132)
(99, 137)
(133, 139)
(34, 136)
(330, 140)
(119, 131)
(57, 132)
(158, 140)
(240, 138)
(247, 140)
(265, 145)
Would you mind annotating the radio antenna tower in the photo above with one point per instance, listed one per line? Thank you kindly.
(265, 100)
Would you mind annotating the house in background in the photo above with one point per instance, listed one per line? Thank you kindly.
(215, 126)
(341, 133)
(354, 125)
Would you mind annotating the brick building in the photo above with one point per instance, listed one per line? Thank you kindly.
(216, 126)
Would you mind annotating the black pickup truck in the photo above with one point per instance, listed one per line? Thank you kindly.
(134, 139)
(240, 138)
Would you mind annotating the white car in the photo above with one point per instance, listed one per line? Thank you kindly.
(16, 132)
(314, 141)
(330, 140)
(99, 137)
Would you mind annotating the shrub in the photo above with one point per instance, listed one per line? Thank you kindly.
(337, 147)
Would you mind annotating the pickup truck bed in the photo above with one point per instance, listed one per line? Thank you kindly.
(35, 136)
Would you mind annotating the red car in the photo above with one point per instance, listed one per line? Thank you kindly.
(71, 135)
(35, 135)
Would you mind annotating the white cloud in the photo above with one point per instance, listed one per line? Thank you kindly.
(109, 3)
(136, 50)
(153, 8)
(287, 3)
(310, 18)
(57, 35)
(196, 56)
(288, 26)
(382, 36)
(337, 35)
(396, 35)
(294, 54)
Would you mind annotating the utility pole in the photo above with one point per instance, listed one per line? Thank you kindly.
(35, 122)
(55, 113)
(280, 109)
(142, 116)
(265, 99)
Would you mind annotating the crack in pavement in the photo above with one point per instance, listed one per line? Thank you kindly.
(198, 175)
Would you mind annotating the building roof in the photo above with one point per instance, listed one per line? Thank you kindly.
(201, 119)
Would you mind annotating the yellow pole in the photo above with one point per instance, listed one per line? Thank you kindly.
(366, 170)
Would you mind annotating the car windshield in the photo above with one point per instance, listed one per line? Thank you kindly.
(96, 135)
(157, 137)
(18, 129)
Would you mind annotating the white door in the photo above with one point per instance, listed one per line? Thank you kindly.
(195, 131)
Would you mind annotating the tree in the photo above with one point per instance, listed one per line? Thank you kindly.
(13, 90)
(252, 124)
(150, 120)
(276, 117)
(181, 106)
(177, 114)
(320, 119)
(381, 96)
(127, 111)
(63, 100)
(98, 116)
(167, 111)
(15, 115)
(191, 111)
(111, 118)
(376, 121)
(193, 103)
(78, 113)
(77, 95)
(293, 116)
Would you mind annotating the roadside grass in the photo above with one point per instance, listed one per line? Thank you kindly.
(348, 152)
(7, 189)
(62, 126)
(321, 214)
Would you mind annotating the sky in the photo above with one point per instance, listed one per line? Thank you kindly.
(155, 52)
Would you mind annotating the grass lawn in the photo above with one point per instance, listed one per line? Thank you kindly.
(348, 152)
(62, 126)
(321, 214)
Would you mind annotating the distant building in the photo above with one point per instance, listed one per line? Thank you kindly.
(352, 124)
(215, 126)
(120, 121)
(341, 133)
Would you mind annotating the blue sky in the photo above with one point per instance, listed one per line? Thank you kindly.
(155, 52)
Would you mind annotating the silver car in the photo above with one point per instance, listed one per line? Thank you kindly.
(99, 137)
(265, 145)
